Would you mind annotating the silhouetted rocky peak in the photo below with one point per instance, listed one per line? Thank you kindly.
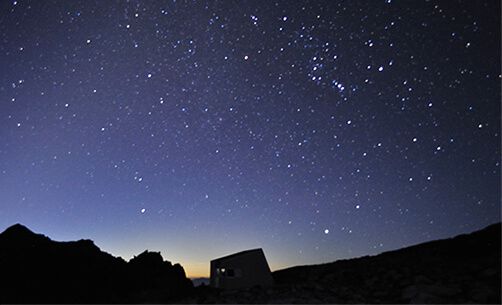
(149, 260)
(85, 244)
(17, 230)
(150, 269)
(33, 266)
(20, 236)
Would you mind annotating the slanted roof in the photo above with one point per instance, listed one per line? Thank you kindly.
(257, 250)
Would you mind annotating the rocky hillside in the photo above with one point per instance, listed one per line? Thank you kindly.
(35, 269)
(464, 269)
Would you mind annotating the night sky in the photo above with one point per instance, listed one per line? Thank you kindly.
(315, 130)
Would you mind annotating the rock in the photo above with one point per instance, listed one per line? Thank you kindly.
(319, 287)
(483, 295)
(447, 291)
(36, 269)
(380, 294)
(425, 298)
(420, 279)
(490, 272)
(429, 293)
(409, 292)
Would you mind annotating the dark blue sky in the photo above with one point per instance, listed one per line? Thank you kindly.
(316, 130)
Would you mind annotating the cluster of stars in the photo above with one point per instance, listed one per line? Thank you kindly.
(339, 129)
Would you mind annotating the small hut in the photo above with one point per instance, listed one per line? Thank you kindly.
(241, 270)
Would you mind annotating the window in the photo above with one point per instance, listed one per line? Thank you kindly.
(227, 272)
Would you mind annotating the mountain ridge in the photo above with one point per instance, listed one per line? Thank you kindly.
(461, 269)
(33, 265)
(458, 270)
(492, 227)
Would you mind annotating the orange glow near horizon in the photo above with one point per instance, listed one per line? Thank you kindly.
(195, 270)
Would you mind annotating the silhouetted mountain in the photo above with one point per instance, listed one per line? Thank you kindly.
(200, 281)
(20, 236)
(151, 271)
(464, 269)
(35, 269)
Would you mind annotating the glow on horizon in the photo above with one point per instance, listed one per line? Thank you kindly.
(195, 266)
(204, 133)
(195, 258)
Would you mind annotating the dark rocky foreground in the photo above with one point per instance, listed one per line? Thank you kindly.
(35, 269)
(464, 269)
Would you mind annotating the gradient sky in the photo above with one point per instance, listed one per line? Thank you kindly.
(315, 130)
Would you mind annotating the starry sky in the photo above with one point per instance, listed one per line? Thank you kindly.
(317, 130)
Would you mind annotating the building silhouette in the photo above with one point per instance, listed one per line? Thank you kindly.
(241, 270)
